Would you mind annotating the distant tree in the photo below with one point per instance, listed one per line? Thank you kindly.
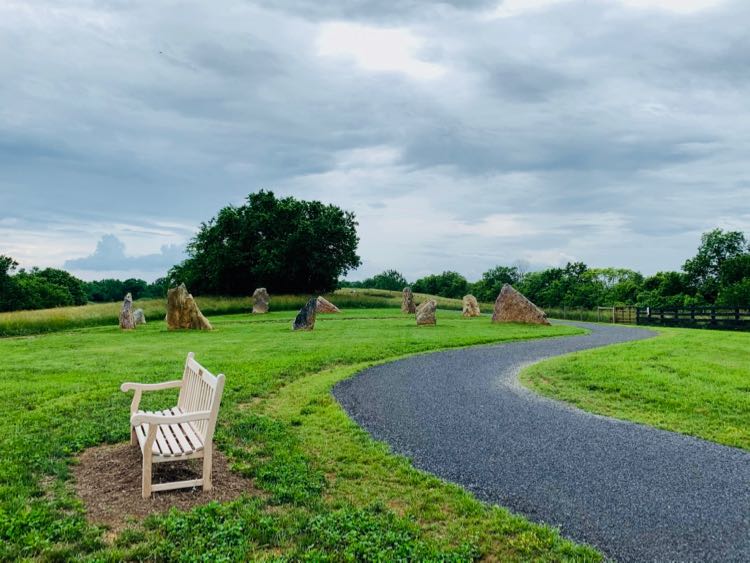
(136, 287)
(285, 245)
(7, 285)
(158, 288)
(63, 279)
(447, 284)
(704, 269)
(105, 291)
(487, 288)
(389, 279)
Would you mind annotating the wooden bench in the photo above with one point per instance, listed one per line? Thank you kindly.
(184, 431)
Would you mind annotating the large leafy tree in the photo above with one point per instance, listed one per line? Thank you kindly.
(487, 288)
(285, 245)
(704, 269)
(447, 284)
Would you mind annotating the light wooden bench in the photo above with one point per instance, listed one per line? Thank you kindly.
(182, 432)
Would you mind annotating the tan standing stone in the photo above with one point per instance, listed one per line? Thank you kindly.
(426, 312)
(183, 312)
(322, 305)
(407, 301)
(512, 307)
(261, 301)
(470, 306)
(127, 322)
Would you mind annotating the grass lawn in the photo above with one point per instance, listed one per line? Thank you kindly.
(691, 381)
(329, 491)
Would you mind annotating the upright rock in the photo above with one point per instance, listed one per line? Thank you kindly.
(183, 312)
(407, 301)
(512, 307)
(426, 312)
(470, 306)
(322, 305)
(305, 319)
(127, 322)
(139, 317)
(261, 299)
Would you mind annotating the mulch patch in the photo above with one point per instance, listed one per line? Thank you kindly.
(108, 480)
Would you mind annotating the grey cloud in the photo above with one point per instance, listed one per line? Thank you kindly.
(110, 255)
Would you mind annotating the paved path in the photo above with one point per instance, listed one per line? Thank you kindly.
(636, 493)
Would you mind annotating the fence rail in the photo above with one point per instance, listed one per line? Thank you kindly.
(732, 318)
(726, 318)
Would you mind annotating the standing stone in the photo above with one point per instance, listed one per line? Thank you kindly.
(261, 299)
(139, 317)
(471, 307)
(322, 305)
(305, 319)
(407, 301)
(127, 322)
(183, 312)
(512, 307)
(426, 312)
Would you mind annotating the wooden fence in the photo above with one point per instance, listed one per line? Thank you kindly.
(734, 318)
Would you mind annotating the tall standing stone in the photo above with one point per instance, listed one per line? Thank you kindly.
(426, 312)
(305, 319)
(261, 299)
(407, 301)
(139, 317)
(183, 312)
(322, 305)
(512, 307)
(470, 306)
(127, 322)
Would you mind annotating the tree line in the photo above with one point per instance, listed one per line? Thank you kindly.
(719, 274)
(293, 246)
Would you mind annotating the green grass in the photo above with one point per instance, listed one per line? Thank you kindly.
(330, 492)
(23, 323)
(695, 382)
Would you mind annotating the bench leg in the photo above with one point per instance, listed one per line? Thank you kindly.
(133, 438)
(207, 485)
(146, 476)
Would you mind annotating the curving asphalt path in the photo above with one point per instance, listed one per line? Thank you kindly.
(634, 492)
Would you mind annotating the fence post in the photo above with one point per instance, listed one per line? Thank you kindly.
(713, 315)
(692, 312)
(737, 314)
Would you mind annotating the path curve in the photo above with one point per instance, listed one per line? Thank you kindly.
(634, 492)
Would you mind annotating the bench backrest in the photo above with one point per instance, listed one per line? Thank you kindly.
(201, 391)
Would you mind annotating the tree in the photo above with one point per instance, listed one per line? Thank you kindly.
(285, 245)
(7, 285)
(704, 268)
(488, 288)
(63, 279)
(447, 284)
(389, 279)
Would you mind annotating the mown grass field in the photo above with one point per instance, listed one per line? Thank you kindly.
(20, 323)
(691, 381)
(329, 491)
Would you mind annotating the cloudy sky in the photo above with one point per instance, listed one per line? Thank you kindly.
(464, 133)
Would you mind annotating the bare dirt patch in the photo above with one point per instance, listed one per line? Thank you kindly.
(108, 480)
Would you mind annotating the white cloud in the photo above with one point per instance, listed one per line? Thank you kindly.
(377, 49)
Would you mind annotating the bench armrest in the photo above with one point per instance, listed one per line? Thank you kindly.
(155, 418)
(150, 386)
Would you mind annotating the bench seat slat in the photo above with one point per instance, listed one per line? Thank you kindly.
(172, 440)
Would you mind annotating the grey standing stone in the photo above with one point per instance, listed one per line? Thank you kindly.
(139, 317)
(305, 319)
(127, 322)
(261, 301)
